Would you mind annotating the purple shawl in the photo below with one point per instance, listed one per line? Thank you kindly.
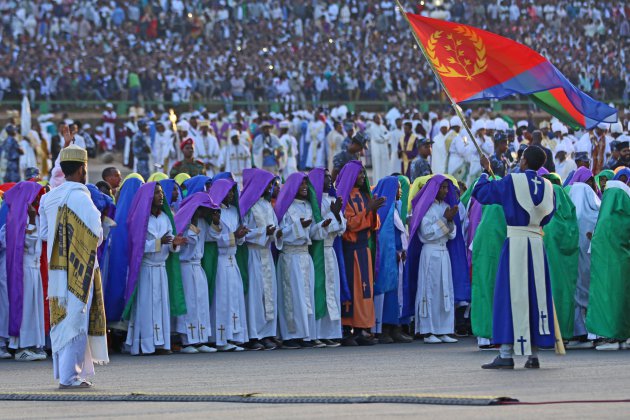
(423, 200)
(186, 212)
(346, 179)
(582, 174)
(542, 171)
(255, 182)
(17, 198)
(287, 193)
(316, 176)
(220, 189)
(137, 222)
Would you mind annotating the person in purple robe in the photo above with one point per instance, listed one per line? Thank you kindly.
(523, 305)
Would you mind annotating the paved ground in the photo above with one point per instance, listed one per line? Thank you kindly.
(390, 369)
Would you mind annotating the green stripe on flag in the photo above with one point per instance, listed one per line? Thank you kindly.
(550, 104)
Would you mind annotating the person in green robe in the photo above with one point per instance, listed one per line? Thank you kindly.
(603, 177)
(561, 237)
(609, 293)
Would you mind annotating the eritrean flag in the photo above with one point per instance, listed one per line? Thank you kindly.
(475, 64)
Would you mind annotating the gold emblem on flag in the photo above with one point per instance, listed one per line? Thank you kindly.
(458, 64)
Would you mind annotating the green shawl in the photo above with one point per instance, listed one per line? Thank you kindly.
(316, 249)
(404, 197)
(487, 245)
(609, 293)
(561, 246)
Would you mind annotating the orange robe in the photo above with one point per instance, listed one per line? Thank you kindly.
(361, 225)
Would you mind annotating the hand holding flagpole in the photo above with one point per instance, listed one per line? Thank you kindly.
(453, 103)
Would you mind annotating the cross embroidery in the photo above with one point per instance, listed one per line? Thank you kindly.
(192, 328)
(234, 318)
(536, 182)
(156, 329)
(364, 286)
(201, 330)
(522, 341)
(347, 306)
(542, 320)
(222, 329)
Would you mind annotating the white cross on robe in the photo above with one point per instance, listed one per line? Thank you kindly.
(536, 182)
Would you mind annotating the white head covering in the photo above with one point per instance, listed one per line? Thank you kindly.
(455, 122)
(522, 123)
(478, 125)
(443, 123)
(490, 125)
(183, 125)
(556, 126)
(616, 128)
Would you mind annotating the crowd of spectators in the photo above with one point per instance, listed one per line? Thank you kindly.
(280, 50)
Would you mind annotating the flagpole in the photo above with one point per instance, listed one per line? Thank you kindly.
(448, 94)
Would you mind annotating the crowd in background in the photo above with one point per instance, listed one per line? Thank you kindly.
(294, 52)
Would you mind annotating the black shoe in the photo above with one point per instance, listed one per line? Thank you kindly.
(331, 343)
(366, 340)
(349, 341)
(306, 344)
(254, 345)
(398, 336)
(269, 344)
(384, 338)
(499, 363)
(291, 345)
(318, 344)
(532, 363)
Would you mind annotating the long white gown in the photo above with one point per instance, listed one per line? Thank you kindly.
(587, 206)
(329, 327)
(194, 326)
(150, 322)
(379, 151)
(439, 156)
(262, 295)
(435, 303)
(32, 330)
(296, 274)
(227, 311)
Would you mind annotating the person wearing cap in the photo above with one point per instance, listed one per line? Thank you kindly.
(582, 159)
(11, 152)
(498, 161)
(188, 165)
(456, 126)
(70, 221)
(377, 133)
(357, 143)
(421, 166)
(235, 157)
(537, 141)
(141, 145)
(394, 136)
(624, 154)
(207, 148)
(407, 151)
(267, 149)
(564, 163)
(109, 126)
(335, 140)
(439, 155)
(163, 147)
(288, 162)
(547, 142)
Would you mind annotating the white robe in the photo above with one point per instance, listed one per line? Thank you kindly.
(587, 206)
(207, 150)
(296, 274)
(289, 160)
(334, 140)
(329, 327)
(262, 295)
(227, 311)
(379, 151)
(194, 326)
(435, 303)
(439, 155)
(32, 330)
(163, 149)
(394, 160)
(316, 156)
(234, 159)
(150, 321)
(74, 352)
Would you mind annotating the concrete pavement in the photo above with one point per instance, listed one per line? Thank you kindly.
(386, 369)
